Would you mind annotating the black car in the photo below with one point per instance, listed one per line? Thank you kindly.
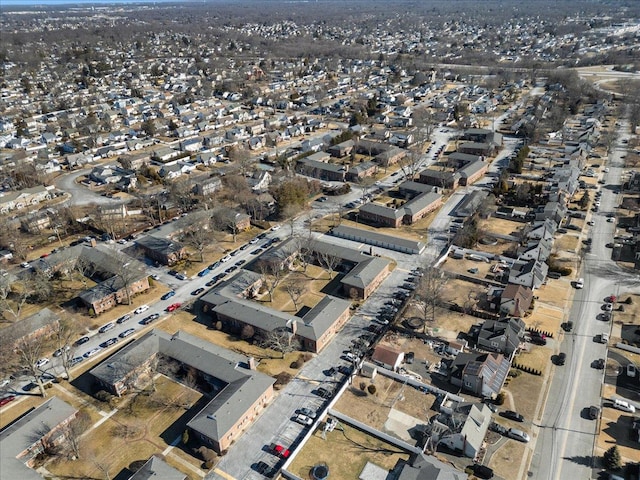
(149, 319)
(262, 235)
(256, 251)
(567, 326)
(323, 393)
(211, 283)
(123, 318)
(172, 272)
(197, 291)
(344, 369)
(511, 415)
(214, 265)
(598, 364)
(108, 343)
(264, 469)
(30, 386)
(561, 358)
(82, 340)
(482, 471)
(240, 262)
(331, 372)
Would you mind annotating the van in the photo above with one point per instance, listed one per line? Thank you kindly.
(624, 406)
(518, 435)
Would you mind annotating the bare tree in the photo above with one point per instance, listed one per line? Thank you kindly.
(429, 291)
(13, 296)
(198, 239)
(63, 337)
(181, 194)
(281, 340)
(29, 350)
(74, 430)
(272, 273)
(295, 287)
(128, 271)
(330, 262)
(289, 214)
(224, 219)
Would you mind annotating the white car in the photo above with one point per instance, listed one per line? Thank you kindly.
(303, 419)
(275, 228)
(141, 308)
(25, 265)
(42, 362)
(225, 259)
(624, 406)
(580, 283)
(631, 370)
(5, 382)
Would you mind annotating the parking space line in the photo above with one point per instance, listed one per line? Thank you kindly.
(223, 474)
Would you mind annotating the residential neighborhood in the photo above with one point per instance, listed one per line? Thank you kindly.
(278, 240)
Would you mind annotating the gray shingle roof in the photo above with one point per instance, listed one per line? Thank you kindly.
(365, 272)
(25, 432)
(377, 239)
(157, 469)
(242, 387)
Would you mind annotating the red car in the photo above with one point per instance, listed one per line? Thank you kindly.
(280, 450)
(173, 306)
(610, 299)
(9, 398)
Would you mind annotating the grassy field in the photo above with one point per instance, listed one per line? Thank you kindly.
(145, 424)
(345, 451)
(507, 459)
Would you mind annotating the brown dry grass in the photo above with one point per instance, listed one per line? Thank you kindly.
(129, 435)
(21, 405)
(520, 397)
(500, 226)
(555, 293)
(567, 243)
(374, 409)
(545, 318)
(346, 451)
(315, 279)
(537, 357)
(614, 429)
(507, 459)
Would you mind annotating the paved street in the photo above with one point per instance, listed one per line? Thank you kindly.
(566, 436)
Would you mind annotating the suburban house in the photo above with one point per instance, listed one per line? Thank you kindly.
(553, 210)
(536, 250)
(387, 357)
(423, 467)
(321, 170)
(157, 469)
(239, 392)
(21, 441)
(502, 336)
(469, 440)
(25, 197)
(515, 300)
(41, 323)
(530, 273)
(481, 374)
(166, 252)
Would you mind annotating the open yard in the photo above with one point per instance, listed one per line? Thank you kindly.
(388, 407)
(500, 226)
(313, 281)
(615, 429)
(545, 318)
(519, 396)
(507, 459)
(144, 425)
(345, 451)
(555, 293)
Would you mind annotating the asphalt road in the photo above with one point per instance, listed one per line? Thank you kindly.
(566, 436)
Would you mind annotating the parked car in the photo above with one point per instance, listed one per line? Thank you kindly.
(323, 393)
(518, 435)
(92, 352)
(561, 358)
(607, 307)
(264, 469)
(511, 415)
(580, 283)
(141, 309)
(75, 361)
(61, 350)
(482, 471)
(279, 450)
(106, 327)
(351, 357)
(30, 386)
(173, 307)
(181, 276)
(127, 332)
(631, 370)
(594, 412)
(567, 326)
(108, 343)
(149, 319)
(303, 420)
(82, 340)
(598, 364)
(203, 273)
(167, 295)
(42, 362)
(623, 405)
(331, 372)
(197, 291)
(308, 412)
(124, 318)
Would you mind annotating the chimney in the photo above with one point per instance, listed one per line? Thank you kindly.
(251, 362)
